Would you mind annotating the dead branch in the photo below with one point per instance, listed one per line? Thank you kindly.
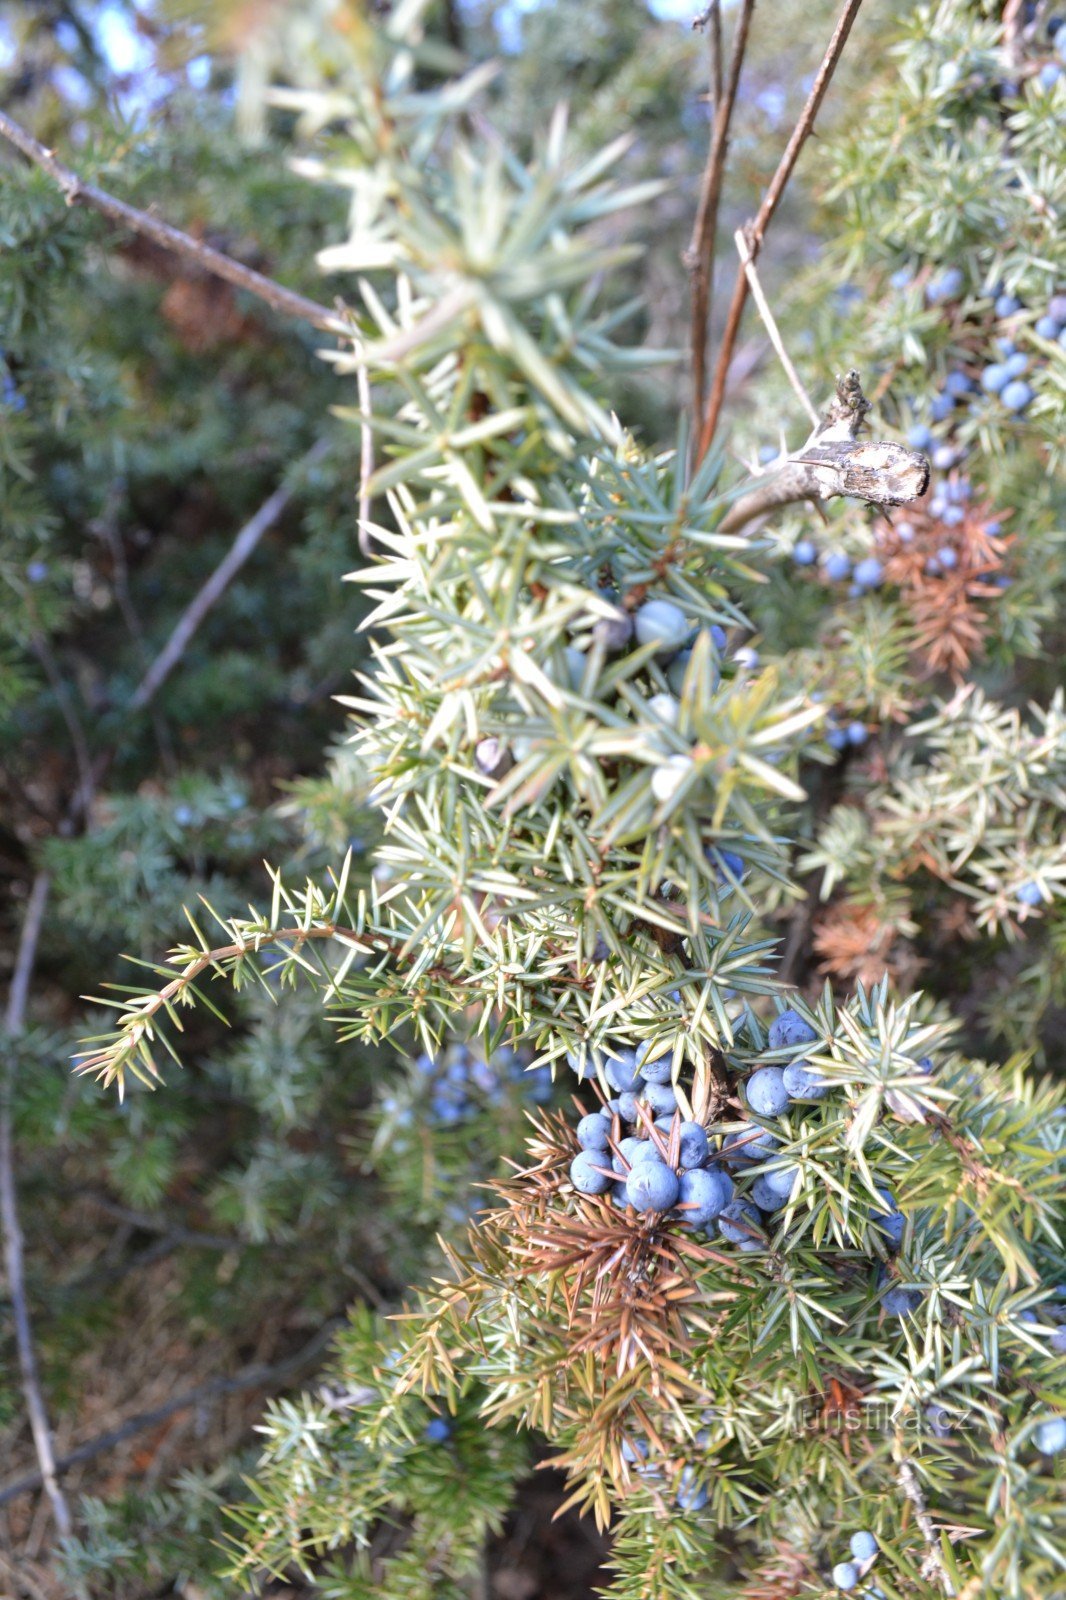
(214, 588)
(287, 301)
(756, 229)
(835, 461)
(699, 257)
(14, 1250)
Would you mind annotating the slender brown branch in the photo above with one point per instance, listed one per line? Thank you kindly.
(259, 1376)
(835, 461)
(771, 327)
(14, 1249)
(756, 229)
(699, 257)
(287, 301)
(366, 459)
(908, 1482)
(212, 591)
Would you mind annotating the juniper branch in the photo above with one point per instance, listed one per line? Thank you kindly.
(77, 192)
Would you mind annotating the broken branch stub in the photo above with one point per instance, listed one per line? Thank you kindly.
(834, 462)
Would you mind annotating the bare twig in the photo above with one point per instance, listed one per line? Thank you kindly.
(14, 1021)
(287, 301)
(834, 461)
(771, 326)
(699, 257)
(213, 590)
(756, 229)
(366, 458)
(259, 1376)
(908, 1482)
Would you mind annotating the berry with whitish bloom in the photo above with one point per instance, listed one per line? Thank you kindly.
(661, 623)
(925, 1064)
(836, 739)
(651, 1186)
(891, 1221)
(863, 1545)
(952, 516)
(437, 1429)
(37, 571)
(1030, 895)
(665, 708)
(1049, 75)
(805, 553)
(622, 1072)
(658, 1070)
(584, 1068)
(740, 1223)
(627, 1106)
(837, 566)
(766, 1092)
(1058, 1341)
(667, 779)
(704, 1192)
(691, 1496)
(575, 666)
(1006, 305)
(869, 573)
(613, 632)
(904, 532)
(766, 1197)
(1056, 307)
(902, 278)
(947, 286)
(941, 406)
(932, 568)
(781, 1180)
(919, 437)
(947, 558)
(900, 1302)
(1050, 1436)
(585, 1173)
(804, 1082)
(1046, 327)
(661, 1098)
(492, 757)
(746, 657)
(845, 1575)
(789, 1029)
(594, 1131)
(957, 384)
(751, 1144)
(1017, 396)
(944, 457)
(727, 864)
(693, 1146)
(1016, 365)
(675, 672)
(857, 735)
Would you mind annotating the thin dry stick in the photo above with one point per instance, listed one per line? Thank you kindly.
(771, 326)
(908, 1482)
(212, 591)
(700, 254)
(756, 229)
(366, 458)
(255, 1377)
(287, 301)
(14, 1250)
